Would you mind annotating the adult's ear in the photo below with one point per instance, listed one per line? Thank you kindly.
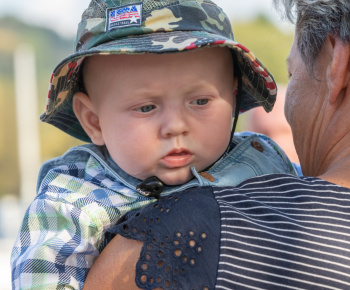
(338, 71)
(85, 111)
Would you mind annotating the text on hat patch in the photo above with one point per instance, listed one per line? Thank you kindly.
(124, 16)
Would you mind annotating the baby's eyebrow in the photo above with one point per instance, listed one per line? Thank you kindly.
(198, 84)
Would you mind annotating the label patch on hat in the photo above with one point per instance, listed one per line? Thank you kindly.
(124, 16)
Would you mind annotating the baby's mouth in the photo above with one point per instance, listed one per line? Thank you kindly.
(178, 158)
(179, 154)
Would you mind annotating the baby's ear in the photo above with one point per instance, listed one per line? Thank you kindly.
(85, 111)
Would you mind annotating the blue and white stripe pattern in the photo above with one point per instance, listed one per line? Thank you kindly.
(284, 232)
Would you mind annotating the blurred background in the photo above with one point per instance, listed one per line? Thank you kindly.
(36, 35)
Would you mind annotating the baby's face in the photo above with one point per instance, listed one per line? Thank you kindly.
(159, 115)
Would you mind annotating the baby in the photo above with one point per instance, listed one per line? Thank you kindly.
(153, 87)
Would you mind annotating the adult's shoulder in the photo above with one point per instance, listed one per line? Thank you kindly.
(277, 229)
(287, 185)
(281, 178)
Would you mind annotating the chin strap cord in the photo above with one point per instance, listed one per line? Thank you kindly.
(238, 95)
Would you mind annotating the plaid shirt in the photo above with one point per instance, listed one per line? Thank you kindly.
(63, 229)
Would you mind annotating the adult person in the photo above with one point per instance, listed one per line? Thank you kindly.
(276, 231)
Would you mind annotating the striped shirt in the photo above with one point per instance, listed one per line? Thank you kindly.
(284, 232)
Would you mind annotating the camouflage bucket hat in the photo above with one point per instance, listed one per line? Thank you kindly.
(150, 26)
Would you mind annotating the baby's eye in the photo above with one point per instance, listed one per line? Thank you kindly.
(146, 109)
(201, 102)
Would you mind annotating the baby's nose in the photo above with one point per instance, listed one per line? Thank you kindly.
(174, 124)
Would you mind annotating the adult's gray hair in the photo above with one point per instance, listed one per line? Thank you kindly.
(315, 20)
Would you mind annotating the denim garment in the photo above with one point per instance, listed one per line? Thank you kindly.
(82, 194)
(242, 162)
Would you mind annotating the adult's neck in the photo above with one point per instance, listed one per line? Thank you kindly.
(328, 155)
(338, 173)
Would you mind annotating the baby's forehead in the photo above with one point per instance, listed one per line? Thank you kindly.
(140, 58)
(151, 71)
(140, 65)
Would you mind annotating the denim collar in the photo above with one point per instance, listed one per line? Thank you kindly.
(236, 165)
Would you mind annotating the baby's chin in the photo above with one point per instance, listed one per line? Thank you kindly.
(176, 179)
